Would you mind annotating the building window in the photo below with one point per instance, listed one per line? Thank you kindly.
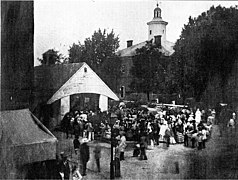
(163, 31)
(85, 70)
(150, 32)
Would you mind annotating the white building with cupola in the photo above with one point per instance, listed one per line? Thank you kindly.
(156, 33)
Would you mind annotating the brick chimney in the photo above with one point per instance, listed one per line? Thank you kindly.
(158, 40)
(129, 43)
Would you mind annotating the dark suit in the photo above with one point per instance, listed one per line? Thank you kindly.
(84, 156)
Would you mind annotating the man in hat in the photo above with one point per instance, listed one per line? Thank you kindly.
(84, 155)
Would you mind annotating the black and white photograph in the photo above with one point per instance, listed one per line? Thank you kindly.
(119, 89)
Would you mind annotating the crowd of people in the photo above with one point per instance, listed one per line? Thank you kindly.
(165, 125)
(168, 125)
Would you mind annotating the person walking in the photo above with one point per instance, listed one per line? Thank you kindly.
(84, 155)
(97, 155)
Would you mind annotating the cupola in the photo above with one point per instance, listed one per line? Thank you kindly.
(157, 12)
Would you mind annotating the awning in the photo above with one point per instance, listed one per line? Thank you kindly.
(24, 139)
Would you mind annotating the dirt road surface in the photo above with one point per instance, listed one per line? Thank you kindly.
(219, 160)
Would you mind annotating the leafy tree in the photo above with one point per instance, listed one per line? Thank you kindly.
(76, 52)
(207, 47)
(51, 56)
(149, 70)
(100, 46)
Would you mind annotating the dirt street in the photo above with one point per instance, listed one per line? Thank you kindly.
(219, 160)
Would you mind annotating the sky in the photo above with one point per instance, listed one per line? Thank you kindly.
(60, 23)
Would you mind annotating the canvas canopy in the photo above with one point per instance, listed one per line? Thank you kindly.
(23, 139)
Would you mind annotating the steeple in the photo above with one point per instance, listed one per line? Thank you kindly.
(157, 27)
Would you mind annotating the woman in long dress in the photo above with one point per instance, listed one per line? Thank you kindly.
(179, 131)
(122, 145)
(163, 128)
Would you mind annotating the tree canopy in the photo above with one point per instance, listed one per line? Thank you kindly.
(149, 70)
(99, 47)
(207, 47)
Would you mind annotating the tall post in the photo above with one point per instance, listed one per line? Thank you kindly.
(111, 163)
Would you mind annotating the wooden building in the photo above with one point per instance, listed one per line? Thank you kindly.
(66, 87)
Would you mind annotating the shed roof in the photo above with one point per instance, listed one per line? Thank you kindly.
(52, 77)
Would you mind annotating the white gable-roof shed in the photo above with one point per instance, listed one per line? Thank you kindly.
(85, 80)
